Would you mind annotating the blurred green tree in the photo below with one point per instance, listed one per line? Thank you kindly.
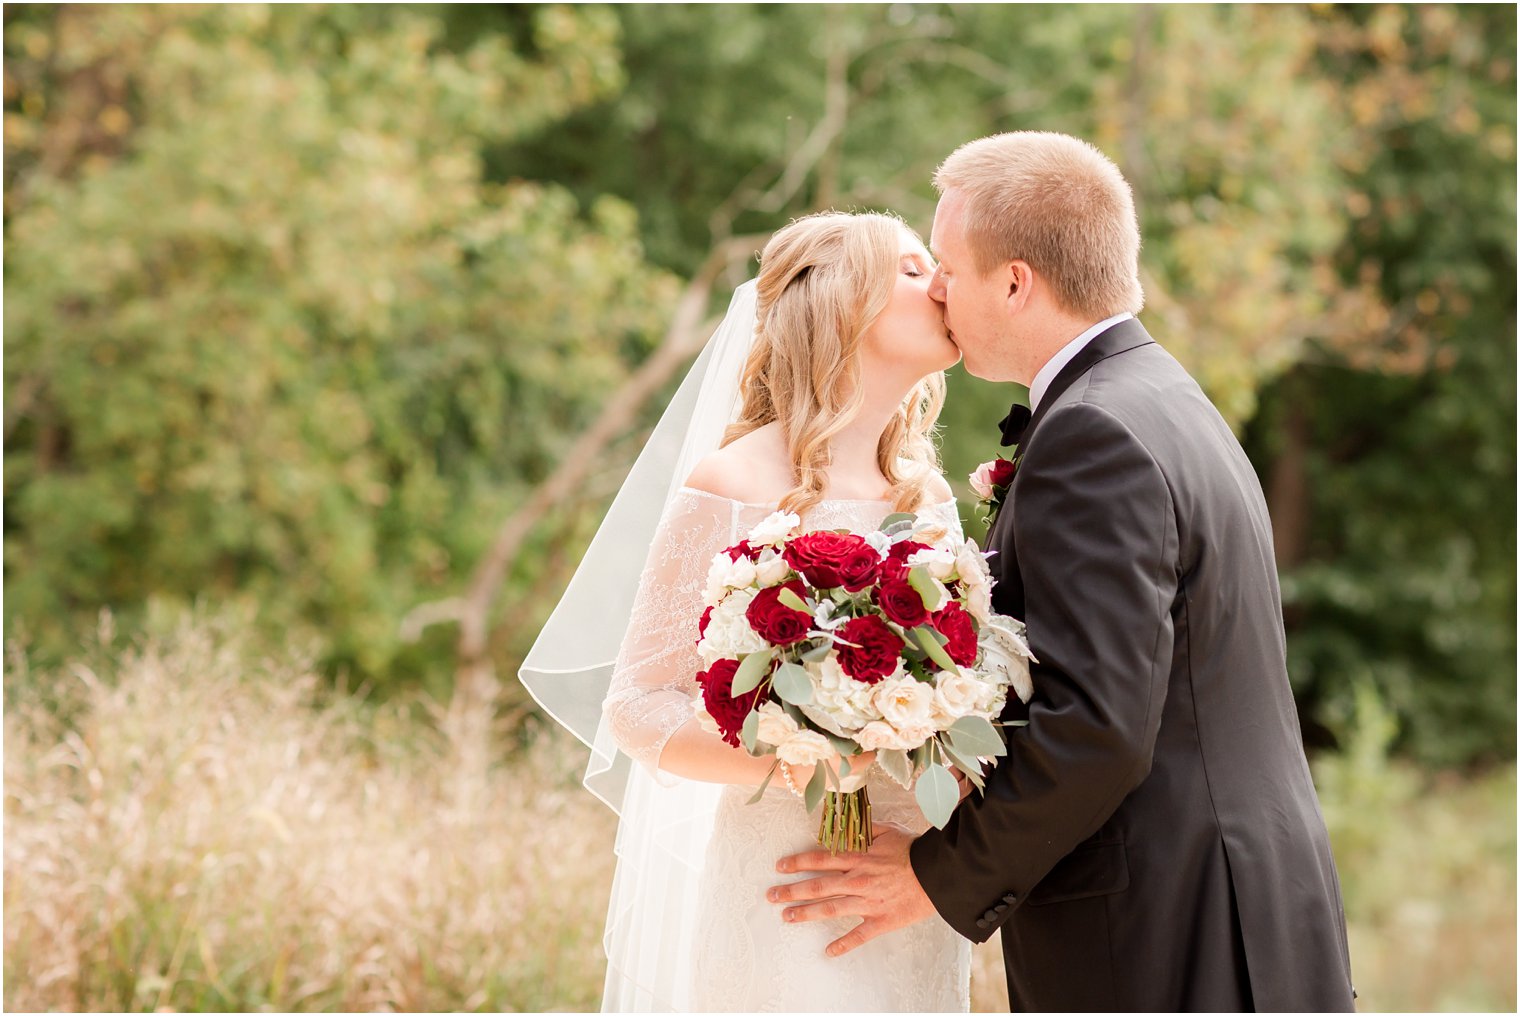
(1391, 460)
(269, 334)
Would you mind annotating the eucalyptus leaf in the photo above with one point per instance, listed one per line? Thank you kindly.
(816, 787)
(975, 735)
(843, 745)
(792, 684)
(925, 637)
(765, 783)
(749, 734)
(896, 764)
(967, 764)
(893, 522)
(752, 670)
(937, 794)
(791, 599)
(818, 653)
(923, 584)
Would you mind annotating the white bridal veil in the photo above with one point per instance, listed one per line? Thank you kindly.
(665, 823)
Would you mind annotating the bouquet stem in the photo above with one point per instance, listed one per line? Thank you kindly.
(846, 823)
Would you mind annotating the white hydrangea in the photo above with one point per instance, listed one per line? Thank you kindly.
(840, 703)
(728, 631)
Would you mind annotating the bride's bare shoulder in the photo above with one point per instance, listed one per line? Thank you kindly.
(751, 469)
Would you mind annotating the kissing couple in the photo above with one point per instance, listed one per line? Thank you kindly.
(1150, 838)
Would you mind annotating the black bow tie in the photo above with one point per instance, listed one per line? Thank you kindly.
(1014, 423)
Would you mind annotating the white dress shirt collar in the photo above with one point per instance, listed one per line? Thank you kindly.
(1064, 356)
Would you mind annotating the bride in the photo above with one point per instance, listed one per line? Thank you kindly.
(817, 395)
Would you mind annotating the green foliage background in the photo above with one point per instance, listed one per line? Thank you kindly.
(302, 301)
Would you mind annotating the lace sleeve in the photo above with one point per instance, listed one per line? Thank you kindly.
(654, 679)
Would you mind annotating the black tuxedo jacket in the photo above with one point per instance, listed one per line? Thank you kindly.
(1152, 841)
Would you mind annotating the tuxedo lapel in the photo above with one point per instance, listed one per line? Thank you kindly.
(1126, 335)
(1120, 338)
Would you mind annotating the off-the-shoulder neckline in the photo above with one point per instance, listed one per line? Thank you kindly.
(831, 500)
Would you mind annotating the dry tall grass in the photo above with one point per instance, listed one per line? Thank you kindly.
(206, 831)
(206, 838)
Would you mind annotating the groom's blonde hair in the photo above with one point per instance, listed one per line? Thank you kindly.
(824, 279)
(1055, 202)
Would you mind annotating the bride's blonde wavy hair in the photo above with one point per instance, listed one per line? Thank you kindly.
(824, 279)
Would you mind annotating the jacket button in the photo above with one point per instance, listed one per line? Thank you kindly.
(990, 916)
(1010, 897)
(982, 922)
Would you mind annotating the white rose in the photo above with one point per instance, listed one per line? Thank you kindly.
(776, 724)
(905, 702)
(725, 574)
(771, 569)
(979, 603)
(878, 735)
(956, 695)
(939, 560)
(971, 565)
(774, 528)
(805, 748)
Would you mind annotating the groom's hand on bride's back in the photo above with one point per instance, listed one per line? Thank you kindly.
(878, 886)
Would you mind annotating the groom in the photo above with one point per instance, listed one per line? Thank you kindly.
(1152, 840)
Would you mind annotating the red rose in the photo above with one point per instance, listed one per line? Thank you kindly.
(703, 623)
(1002, 472)
(773, 620)
(901, 602)
(896, 563)
(729, 712)
(829, 559)
(955, 624)
(874, 651)
(742, 549)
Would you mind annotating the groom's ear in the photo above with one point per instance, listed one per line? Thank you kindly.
(1019, 278)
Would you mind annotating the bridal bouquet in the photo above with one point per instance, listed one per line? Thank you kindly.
(831, 643)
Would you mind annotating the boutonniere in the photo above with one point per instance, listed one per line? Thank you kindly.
(990, 483)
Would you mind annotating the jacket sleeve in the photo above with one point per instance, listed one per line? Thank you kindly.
(1096, 537)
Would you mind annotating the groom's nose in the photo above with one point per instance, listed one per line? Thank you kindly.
(937, 286)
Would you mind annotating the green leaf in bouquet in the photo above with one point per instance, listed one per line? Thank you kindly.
(897, 522)
(816, 786)
(975, 735)
(844, 768)
(792, 684)
(819, 652)
(765, 782)
(923, 584)
(843, 745)
(752, 670)
(966, 764)
(896, 764)
(749, 734)
(791, 599)
(937, 794)
(925, 636)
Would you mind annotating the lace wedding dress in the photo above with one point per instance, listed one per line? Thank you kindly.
(745, 958)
